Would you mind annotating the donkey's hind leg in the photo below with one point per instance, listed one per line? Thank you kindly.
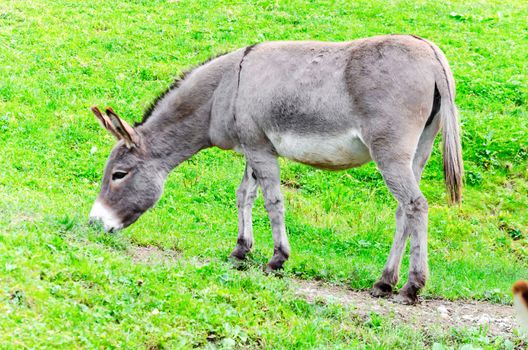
(390, 276)
(411, 220)
(425, 146)
(246, 193)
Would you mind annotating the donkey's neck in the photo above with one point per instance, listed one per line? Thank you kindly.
(179, 125)
(175, 141)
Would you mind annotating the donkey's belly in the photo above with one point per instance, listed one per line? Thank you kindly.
(341, 151)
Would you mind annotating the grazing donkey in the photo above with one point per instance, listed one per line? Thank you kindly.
(329, 105)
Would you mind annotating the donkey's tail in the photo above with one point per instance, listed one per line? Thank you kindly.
(453, 163)
(452, 150)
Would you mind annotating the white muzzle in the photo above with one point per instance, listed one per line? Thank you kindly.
(106, 216)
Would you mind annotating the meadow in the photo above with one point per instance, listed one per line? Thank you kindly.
(64, 284)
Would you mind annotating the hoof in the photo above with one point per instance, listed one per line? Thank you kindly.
(276, 262)
(239, 253)
(381, 290)
(408, 295)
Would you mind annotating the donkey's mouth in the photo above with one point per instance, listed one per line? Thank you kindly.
(105, 216)
(98, 222)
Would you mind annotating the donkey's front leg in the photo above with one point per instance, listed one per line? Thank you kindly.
(246, 193)
(267, 170)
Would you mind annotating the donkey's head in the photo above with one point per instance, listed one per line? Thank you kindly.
(132, 180)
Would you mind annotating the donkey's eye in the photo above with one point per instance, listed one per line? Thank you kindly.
(118, 175)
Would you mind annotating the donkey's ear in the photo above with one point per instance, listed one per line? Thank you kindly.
(127, 133)
(105, 121)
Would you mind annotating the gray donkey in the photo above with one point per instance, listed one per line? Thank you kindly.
(330, 105)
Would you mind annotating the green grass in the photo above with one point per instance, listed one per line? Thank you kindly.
(65, 285)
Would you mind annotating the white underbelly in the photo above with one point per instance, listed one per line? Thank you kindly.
(341, 151)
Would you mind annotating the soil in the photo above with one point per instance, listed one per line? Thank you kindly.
(154, 255)
(500, 320)
(151, 254)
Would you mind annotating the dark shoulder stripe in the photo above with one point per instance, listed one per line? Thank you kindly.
(246, 52)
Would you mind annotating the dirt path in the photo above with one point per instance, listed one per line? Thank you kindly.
(500, 319)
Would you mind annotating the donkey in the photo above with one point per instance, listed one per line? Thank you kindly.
(330, 105)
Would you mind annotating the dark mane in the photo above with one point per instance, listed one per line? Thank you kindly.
(175, 84)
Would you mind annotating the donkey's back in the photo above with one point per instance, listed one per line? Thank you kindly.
(323, 103)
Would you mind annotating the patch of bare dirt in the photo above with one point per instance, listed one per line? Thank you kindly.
(22, 218)
(151, 254)
(154, 255)
(500, 320)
